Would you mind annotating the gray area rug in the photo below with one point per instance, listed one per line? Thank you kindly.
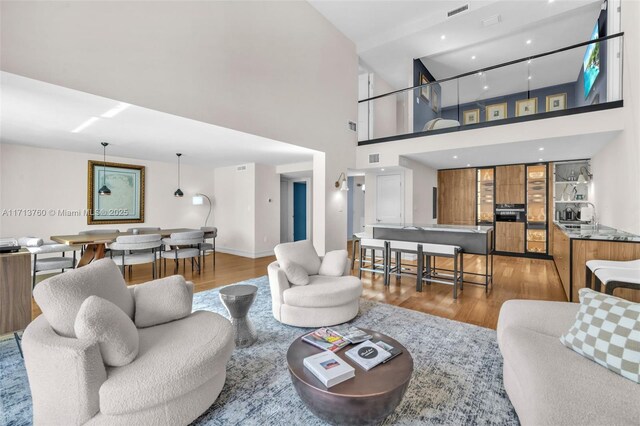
(457, 378)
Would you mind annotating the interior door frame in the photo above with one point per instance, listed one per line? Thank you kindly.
(290, 183)
(402, 197)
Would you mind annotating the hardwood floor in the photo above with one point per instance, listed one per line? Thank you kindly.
(514, 278)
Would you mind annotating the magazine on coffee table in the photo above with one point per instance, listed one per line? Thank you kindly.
(351, 333)
(329, 368)
(326, 339)
(387, 347)
(367, 355)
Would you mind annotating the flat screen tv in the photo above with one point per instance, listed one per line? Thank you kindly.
(591, 62)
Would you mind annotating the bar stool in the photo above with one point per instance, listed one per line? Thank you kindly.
(431, 276)
(617, 278)
(355, 238)
(373, 245)
(593, 265)
(396, 250)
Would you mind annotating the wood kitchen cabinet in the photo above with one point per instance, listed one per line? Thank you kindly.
(510, 182)
(457, 197)
(510, 237)
(561, 257)
(15, 291)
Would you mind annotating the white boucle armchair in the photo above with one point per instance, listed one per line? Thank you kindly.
(179, 370)
(324, 301)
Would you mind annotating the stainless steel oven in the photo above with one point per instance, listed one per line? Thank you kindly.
(510, 213)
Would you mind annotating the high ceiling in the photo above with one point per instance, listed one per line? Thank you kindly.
(390, 34)
(44, 115)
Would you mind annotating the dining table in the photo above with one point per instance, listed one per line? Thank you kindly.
(95, 245)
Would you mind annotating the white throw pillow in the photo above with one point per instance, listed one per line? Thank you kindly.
(300, 252)
(295, 273)
(163, 300)
(607, 331)
(101, 321)
(61, 296)
(334, 263)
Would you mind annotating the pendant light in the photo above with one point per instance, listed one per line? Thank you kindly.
(178, 192)
(104, 190)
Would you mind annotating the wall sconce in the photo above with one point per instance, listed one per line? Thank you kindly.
(583, 171)
(342, 182)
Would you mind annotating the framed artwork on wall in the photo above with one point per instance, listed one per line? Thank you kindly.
(496, 112)
(526, 107)
(471, 116)
(125, 204)
(556, 102)
(425, 92)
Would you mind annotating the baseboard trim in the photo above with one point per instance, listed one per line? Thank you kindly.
(244, 253)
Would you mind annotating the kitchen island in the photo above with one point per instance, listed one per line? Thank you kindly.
(575, 244)
(476, 240)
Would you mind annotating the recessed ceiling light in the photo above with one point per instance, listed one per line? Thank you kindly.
(468, 165)
(455, 156)
(539, 159)
(529, 78)
(84, 125)
(541, 148)
(528, 41)
(486, 87)
(480, 73)
(529, 61)
(551, 1)
(382, 170)
(442, 37)
(473, 57)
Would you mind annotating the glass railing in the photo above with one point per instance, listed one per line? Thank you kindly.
(578, 78)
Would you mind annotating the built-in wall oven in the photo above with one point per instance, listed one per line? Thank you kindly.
(510, 213)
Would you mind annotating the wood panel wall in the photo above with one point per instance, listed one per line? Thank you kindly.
(457, 197)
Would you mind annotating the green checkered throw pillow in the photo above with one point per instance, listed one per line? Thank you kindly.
(607, 331)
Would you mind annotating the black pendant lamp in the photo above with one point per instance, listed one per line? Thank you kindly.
(104, 189)
(178, 192)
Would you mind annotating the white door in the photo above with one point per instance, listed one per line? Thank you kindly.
(389, 199)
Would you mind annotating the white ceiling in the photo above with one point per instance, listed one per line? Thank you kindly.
(40, 114)
(555, 149)
(390, 34)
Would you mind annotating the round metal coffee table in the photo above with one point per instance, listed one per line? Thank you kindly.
(238, 298)
(368, 398)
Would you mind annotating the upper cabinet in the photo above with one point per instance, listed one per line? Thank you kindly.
(510, 184)
(457, 197)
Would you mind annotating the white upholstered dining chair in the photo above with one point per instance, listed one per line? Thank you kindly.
(129, 250)
(183, 245)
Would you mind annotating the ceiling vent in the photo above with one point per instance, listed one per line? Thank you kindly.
(241, 168)
(493, 20)
(458, 10)
(374, 158)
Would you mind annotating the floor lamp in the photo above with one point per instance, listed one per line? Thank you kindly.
(198, 200)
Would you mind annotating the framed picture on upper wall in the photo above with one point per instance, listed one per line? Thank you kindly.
(425, 92)
(556, 102)
(496, 112)
(471, 116)
(125, 203)
(526, 107)
(435, 100)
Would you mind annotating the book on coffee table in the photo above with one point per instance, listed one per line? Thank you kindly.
(329, 368)
(351, 333)
(326, 339)
(367, 355)
(387, 347)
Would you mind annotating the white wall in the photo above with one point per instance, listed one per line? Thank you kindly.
(616, 168)
(382, 110)
(257, 67)
(36, 178)
(267, 210)
(423, 180)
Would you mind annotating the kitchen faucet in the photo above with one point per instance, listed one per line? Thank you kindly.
(594, 219)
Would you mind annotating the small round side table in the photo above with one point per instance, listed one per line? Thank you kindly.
(238, 299)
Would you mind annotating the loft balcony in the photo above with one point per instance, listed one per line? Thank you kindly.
(576, 79)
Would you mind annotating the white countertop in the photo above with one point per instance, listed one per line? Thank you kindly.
(436, 227)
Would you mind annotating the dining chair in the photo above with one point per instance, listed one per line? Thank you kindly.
(210, 233)
(183, 245)
(129, 250)
(37, 246)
